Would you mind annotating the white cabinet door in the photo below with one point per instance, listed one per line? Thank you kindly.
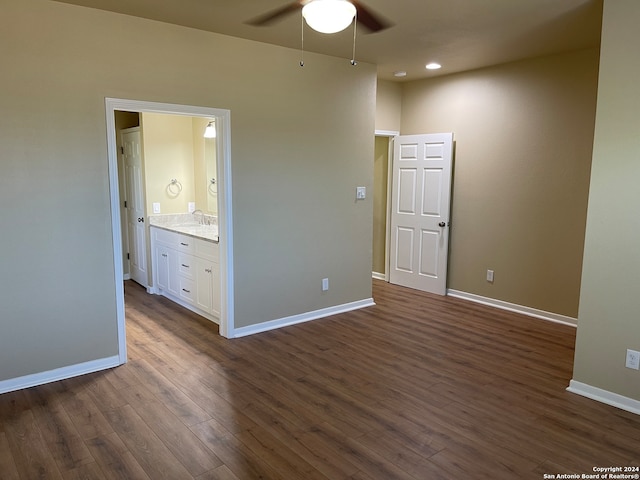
(204, 284)
(186, 270)
(161, 257)
(166, 266)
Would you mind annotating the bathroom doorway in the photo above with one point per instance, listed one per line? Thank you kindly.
(224, 207)
(383, 152)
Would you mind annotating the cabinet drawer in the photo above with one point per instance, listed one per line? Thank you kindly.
(164, 237)
(186, 244)
(187, 289)
(182, 243)
(186, 265)
(207, 250)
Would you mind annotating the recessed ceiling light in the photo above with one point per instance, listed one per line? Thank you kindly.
(433, 66)
(400, 73)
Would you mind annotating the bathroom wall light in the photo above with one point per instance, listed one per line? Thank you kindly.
(329, 16)
(210, 131)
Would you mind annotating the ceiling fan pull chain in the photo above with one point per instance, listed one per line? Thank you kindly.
(302, 47)
(355, 26)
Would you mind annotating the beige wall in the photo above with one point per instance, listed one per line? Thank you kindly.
(609, 319)
(380, 185)
(388, 106)
(168, 154)
(301, 143)
(523, 134)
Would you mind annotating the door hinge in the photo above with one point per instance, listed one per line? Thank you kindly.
(122, 150)
(128, 257)
(125, 204)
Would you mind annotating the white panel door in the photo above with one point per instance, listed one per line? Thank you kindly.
(132, 153)
(420, 205)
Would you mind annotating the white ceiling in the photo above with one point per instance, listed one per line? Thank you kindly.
(459, 34)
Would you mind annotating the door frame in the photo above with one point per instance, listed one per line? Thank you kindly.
(390, 134)
(225, 218)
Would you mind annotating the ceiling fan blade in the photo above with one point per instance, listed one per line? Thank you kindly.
(368, 19)
(275, 15)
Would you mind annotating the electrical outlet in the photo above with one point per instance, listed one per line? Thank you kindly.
(490, 276)
(325, 284)
(633, 360)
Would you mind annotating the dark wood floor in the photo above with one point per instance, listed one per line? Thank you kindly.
(417, 387)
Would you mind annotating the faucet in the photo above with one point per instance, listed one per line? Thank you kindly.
(198, 211)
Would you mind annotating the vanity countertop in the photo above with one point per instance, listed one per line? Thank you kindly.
(206, 232)
(186, 224)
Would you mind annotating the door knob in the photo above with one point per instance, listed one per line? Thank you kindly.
(442, 224)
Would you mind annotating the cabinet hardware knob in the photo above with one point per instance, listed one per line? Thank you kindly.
(184, 244)
(185, 266)
(208, 270)
(164, 255)
(185, 290)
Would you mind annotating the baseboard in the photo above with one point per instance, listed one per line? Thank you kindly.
(182, 303)
(512, 307)
(604, 396)
(58, 374)
(379, 276)
(301, 318)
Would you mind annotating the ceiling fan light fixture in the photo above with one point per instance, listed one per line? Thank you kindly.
(329, 16)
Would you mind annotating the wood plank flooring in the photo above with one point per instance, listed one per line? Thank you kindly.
(417, 387)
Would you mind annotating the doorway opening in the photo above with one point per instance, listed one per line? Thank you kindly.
(223, 125)
(411, 218)
(383, 153)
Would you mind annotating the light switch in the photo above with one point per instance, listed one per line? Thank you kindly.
(156, 207)
(192, 207)
(361, 193)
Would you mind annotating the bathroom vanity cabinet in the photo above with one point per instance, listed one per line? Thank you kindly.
(186, 269)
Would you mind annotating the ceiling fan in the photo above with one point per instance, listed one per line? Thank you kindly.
(364, 16)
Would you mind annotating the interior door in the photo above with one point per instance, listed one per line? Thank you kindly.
(420, 205)
(132, 152)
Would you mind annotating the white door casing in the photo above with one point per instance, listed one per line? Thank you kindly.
(420, 206)
(134, 189)
(225, 208)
